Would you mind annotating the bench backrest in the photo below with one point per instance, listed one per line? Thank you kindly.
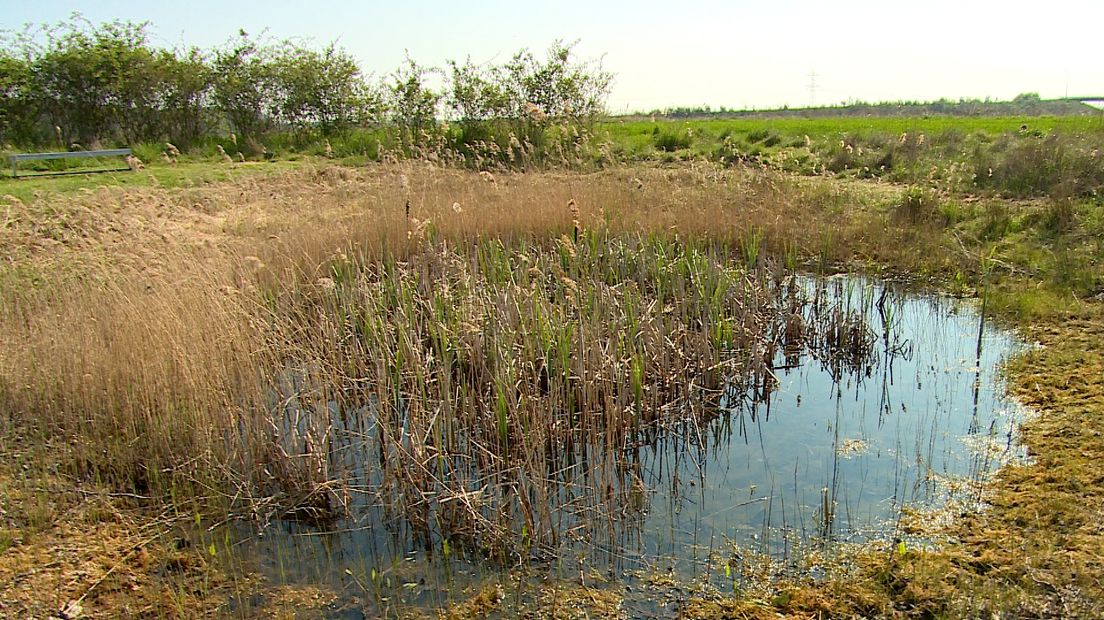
(18, 157)
(69, 154)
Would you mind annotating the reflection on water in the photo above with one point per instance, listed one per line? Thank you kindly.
(825, 448)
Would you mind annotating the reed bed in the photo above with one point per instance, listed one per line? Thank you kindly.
(476, 359)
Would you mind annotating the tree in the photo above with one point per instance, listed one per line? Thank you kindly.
(558, 87)
(186, 85)
(412, 104)
(322, 89)
(83, 79)
(527, 88)
(89, 84)
(245, 88)
(479, 93)
(17, 111)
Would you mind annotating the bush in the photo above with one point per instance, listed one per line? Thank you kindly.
(766, 137)
(1057, 165)
(671, 141)
(918, 205)
(1059, 216)
(996, 222)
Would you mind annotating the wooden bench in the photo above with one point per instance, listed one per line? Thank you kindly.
(18, 157)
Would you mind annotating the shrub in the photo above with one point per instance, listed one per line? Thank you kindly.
(671, 141)
(764, 136)
(919, 205)
(1059, 215)
(1057, 165)
(996, 222)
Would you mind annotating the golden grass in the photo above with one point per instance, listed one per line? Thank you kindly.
(145, 332)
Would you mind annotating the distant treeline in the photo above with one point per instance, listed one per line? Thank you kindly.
(1026, 104)
(78, 85)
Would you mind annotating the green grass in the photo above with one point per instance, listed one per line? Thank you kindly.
(633, 131)
(1018, 156)
(1015, 156)
(182, 174)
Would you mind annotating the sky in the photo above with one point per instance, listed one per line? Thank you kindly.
(740, 54)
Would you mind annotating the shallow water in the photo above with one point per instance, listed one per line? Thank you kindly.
(831, 454)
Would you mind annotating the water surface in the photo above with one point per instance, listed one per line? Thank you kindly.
(829, 451)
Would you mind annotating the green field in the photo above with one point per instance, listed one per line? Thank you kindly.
(1016, 156)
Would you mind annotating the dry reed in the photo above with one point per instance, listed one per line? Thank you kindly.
(476, 359)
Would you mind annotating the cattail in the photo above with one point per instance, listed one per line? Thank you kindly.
(488, 177)
(574, 208)
(534, 112)
(222, 153)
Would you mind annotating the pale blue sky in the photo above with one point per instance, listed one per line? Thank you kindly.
(736, 54)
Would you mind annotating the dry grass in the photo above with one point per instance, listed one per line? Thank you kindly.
(157, 324)
(75, 551)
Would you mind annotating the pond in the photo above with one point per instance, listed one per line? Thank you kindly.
(827, 450)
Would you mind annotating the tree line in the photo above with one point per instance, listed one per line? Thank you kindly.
(1024, 104)
(79, 85)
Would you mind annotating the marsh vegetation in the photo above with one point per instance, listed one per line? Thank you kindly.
(489, 371)
(334, 354)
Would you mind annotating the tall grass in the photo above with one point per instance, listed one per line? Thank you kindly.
(490, 338)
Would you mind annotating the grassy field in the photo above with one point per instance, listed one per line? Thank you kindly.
(1011, 156)
(1018, 157)
(147, 318)
(634, 130)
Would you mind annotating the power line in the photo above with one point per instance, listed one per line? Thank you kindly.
(812, 88)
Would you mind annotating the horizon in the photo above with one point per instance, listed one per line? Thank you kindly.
(1093, 101)
(664, 59)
